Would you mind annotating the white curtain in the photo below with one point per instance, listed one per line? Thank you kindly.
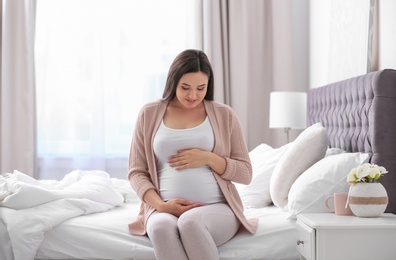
(87, 103)
(341, 39)
(98, 63)
(349, 39)
(17, 88)
(252, 48)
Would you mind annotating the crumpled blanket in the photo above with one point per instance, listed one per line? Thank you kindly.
(29, 207)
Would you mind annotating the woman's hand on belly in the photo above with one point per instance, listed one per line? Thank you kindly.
(192, 158)
(178, 206)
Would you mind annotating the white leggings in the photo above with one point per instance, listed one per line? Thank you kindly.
(194, 235)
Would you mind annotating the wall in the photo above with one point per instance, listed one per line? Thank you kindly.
(322, 62)
(319, 27)
(387, 34)
(301, 57)
(340, 39)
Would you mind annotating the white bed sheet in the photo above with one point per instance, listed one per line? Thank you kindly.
(105, 236)
(86, 219)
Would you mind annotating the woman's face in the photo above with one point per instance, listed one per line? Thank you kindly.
(191, 89)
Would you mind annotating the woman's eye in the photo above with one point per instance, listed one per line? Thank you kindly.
(185, 88)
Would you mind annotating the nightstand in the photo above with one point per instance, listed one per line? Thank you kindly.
(328, 236)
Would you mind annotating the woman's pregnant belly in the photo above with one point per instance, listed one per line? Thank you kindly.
(195, 184)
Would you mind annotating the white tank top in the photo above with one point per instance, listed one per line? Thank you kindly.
(194, 184)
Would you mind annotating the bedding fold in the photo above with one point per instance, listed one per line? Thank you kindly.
(37, 206)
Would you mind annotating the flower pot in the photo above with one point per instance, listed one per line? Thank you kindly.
(368, 199)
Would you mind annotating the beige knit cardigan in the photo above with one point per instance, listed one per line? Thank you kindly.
(229, 143)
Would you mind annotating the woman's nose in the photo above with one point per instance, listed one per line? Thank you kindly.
(193, 94)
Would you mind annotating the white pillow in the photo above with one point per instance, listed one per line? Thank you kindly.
(308, 148)
(333, 151)
(256, 155)
(327, 176)
(263, 159)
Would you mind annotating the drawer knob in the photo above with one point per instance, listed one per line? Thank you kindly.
(300, 242)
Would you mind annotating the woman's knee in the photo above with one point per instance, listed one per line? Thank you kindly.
(162, 226)
(190, 221)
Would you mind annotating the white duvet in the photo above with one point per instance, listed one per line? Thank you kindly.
(30, 207)
(52, 220)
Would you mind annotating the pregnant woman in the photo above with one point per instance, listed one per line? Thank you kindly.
(186, 151)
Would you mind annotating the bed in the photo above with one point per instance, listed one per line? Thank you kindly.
(85, 215)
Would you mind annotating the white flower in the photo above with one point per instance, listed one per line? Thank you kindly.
(352, 176)
(365, 173)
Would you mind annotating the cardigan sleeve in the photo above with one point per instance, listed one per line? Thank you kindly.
(234, 149)
(138, 174)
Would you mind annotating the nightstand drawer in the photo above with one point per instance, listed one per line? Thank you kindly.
(306, 240)
(346, 237)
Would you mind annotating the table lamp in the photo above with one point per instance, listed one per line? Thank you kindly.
(288, 110)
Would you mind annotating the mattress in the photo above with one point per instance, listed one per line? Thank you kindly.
(105, 236)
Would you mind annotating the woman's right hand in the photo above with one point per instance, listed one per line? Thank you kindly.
(173, 206)
(178, 206)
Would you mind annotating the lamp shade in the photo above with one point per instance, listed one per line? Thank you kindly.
(288, 110)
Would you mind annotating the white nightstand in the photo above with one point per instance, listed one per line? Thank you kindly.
(332, 237)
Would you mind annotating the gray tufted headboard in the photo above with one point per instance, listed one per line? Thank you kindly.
(360, 116)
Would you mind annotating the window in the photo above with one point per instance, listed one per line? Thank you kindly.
(97, 63)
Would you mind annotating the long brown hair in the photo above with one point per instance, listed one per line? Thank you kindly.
(188, 61)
